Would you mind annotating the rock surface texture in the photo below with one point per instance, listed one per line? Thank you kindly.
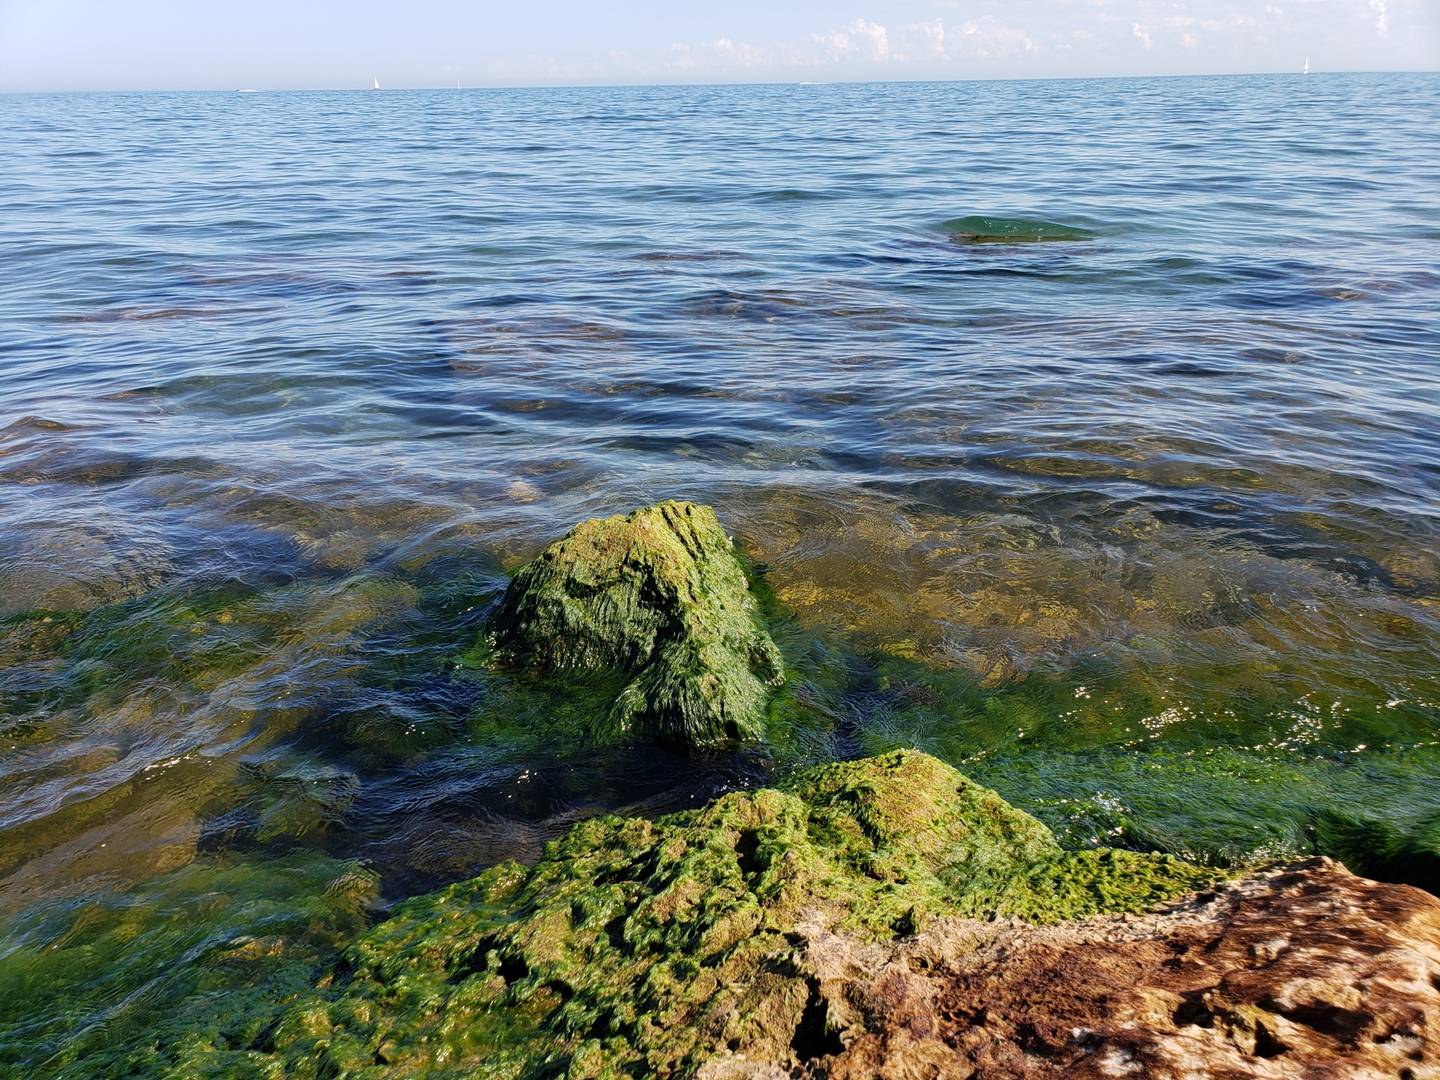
(1305, 971)
(657, 599)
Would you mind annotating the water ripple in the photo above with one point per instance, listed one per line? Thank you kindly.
(288, 379)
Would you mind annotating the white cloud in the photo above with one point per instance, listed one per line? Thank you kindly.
(743, 54)
(988, 39)
(724, 52)
(1086, 35)
(932, 36)
(1382, 17)
(862, 39)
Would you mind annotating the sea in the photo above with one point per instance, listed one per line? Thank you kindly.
(1083, 433)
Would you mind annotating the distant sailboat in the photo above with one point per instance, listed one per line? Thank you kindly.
(377, 84)
(1306, 69)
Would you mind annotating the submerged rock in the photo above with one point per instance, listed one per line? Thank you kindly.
(978, 229)
(658, 599)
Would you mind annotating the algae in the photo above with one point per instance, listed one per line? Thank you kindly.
(1407, 851)
(1205, 747)
(171, 978)
(31, 662)
(198, 639)
(980, 229)
(632, 947)
(128, 701)
(640, 947)
(658, 598)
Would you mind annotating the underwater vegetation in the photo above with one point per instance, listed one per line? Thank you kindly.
(401, 731)
(152, 980)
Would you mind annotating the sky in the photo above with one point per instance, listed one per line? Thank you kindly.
(333, 44)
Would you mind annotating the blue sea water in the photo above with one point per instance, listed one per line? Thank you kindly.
(277, 371)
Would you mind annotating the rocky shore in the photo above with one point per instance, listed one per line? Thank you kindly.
(883, 917)
(1301, 971)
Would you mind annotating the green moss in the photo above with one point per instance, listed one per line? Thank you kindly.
(639, 948)
(658, 597)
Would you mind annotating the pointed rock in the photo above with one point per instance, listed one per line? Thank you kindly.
(658, 598)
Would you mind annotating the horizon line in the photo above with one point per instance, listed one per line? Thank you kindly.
(360, 88)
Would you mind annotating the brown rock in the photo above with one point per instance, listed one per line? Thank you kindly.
(1305, 971)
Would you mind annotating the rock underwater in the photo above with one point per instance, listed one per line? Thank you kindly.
(881, 917)
(658, 599)
(980, 229)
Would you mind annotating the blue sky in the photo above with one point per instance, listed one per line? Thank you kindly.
(222, 44)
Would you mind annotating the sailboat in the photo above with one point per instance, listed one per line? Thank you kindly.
(1306, 69)
(376, 85)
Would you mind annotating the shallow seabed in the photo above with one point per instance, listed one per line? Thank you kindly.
(1137, 524)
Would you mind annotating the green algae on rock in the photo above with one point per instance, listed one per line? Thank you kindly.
(647, 947)
(658, 599)
(982, 229)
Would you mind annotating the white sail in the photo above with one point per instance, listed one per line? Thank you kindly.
(1306, 69)
(377, 84)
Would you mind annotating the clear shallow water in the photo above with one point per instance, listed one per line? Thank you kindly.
(1141, 529)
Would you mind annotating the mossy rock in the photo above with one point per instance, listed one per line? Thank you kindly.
(984, 229)
(647, 947)
(657, 599)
